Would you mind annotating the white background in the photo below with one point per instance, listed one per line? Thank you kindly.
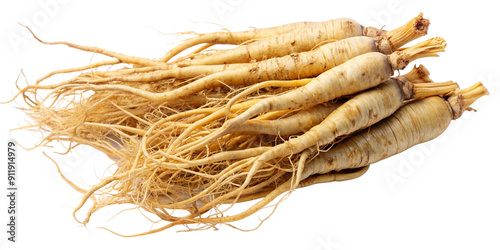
(443, 195)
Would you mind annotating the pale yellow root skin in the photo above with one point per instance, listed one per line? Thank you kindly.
(302, 121)
(352, 28)
(386, 44)
(414, 123)
(290, 67)
(323, 88)
(362, 72)
(361, 111)
(280, 45)
(168, 173)
(398, 98)
(335, 29)
(357, 74)
(298, 123)
(306, 39)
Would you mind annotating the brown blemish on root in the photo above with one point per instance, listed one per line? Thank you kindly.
(329, 160)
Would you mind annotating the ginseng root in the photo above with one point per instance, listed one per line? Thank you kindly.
(305, 39)
(414, 123)
(360, 73)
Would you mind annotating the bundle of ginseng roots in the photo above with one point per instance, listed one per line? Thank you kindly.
(253, 118)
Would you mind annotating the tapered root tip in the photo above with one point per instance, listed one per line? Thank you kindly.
(463, 98)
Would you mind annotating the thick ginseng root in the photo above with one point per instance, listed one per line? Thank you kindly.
(359, 112)
(351, 28)
(337, 28)
(155, 71)
(306, 39)
(297, 123)
(414, 123)
(342, 28)
(360, 73)
(387, 43)
(290, 67)
(294, 124)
